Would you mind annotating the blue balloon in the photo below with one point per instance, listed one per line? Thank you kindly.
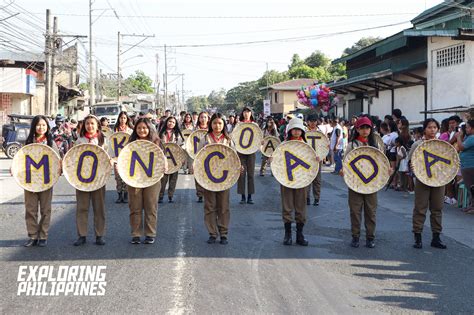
(314, 101)
(314, 93)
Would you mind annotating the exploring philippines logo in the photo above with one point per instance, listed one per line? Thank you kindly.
(61, 280)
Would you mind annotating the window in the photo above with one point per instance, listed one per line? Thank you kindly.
(450, 56)
(276, 97)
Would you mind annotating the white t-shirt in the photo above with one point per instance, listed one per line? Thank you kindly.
(334, 138)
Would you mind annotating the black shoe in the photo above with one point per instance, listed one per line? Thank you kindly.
(370, 243)
(99, 240)
(149, 240)
(125, 197)
(308, 201)
(436, 242)
(160, 200)
(211, 240)
(418, 244)
(170, 200)
(300, 240)
(261, 174)
(199, 199)
(355, 242)
(224, 240)
(42, 243)
(119, 198)
(242, 201)
(250, 201)
(135, 240)
(31, 242)
(80, 241)
(316, 202)
(287, 240)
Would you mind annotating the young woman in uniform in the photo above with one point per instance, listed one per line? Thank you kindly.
(123, 124)
(268, 130)
(427, 197)
(40, 132)
(144, 200)
(363, 135)
(188, 125)
(216, 203)
(294, 200)
(248, 162)
(92, 134)
(202, 124)
(170, 133)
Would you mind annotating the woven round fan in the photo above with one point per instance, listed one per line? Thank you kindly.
(216, 167)
(141, 164)
(192, 142)
(36, 167)
(435, 163)
(247, 137)
(270, 143)
(319, 142)
(366, 170)
(87, 167)
(176, 157)
(294, 164)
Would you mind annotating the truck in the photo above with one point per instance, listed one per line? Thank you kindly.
(111, 110)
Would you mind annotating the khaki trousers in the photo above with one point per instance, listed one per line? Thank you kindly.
(120, 184)
(217, 212)
(248, 162)
(428, 197)
(263, 166)
(369, 203)
(293, 200)
(98, 205)
(145, 199)
(316, 185)
(34, 228)
(172, 179)
(199, 189)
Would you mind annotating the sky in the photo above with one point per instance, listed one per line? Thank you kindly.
(225, 28)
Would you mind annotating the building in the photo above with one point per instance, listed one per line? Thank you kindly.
(424, 68)
(283, 97)
(22, 84)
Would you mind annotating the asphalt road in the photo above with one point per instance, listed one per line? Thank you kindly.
(254, 273)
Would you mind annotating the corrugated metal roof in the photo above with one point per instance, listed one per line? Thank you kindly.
(291, 85)
(21, 56)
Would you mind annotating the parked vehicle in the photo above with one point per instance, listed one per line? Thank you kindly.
(14, 134)
(110, 110)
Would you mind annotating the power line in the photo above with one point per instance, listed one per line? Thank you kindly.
(168, 17)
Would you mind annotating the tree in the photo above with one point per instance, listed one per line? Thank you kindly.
(317, 59)
(306, 72)
(361, 43)
(337, 71)
(245, 94)
(216, 99)
(272, 77)
(296, 61)
(139, 83)
(197, 103)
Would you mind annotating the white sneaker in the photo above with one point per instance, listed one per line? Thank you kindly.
(447, 200)
(453, 201)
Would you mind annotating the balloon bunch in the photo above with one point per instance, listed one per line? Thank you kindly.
(317, 95)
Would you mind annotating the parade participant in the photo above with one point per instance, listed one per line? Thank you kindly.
(123, 124)
(294, 199)
(91, 133)
(362, 136)
(216, 203)
(268, 130)
(316, 184)
(426, 196)
(40, 132)
(231, 124)
(170, 133)
(248, 162)
(144, 199)
(188, 125)
(202, 124)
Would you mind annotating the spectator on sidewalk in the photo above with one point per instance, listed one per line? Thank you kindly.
(465, 139)
(336, 145)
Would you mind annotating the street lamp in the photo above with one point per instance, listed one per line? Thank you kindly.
(119, 85)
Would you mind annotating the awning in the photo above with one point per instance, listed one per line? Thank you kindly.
(455, 109)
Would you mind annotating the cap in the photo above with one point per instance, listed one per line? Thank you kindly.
(363, 121)
(296, 123)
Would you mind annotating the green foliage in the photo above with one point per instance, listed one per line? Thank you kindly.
(197, 103)
(361, 43)
(337, 71)
(296, 61)
(272, 77)
(245, 94)
(139, 83)
(317, 59)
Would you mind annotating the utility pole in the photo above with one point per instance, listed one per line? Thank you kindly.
(157, 82)
(182, 90)
(52, 86)
(47, 52)
(91, 66)
(119, 53)
(165, 83)
(119, 81)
